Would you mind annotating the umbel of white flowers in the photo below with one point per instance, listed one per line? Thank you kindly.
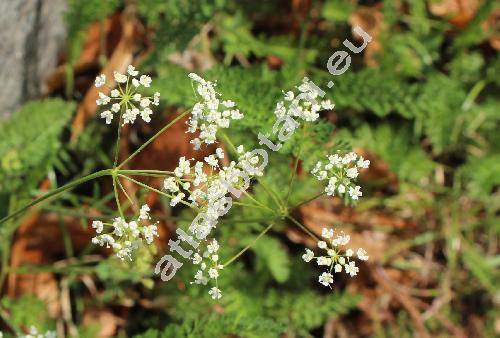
(233, 179)
(127, 98)
(335, 259)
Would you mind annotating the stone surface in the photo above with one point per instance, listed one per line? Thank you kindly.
(32, 34)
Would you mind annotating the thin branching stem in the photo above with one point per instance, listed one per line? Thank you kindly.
(242, 251)
(57, 192)
(303, 227)
(145, 144)
(158, 191)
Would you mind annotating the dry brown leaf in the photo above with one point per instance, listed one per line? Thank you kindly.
(370, 19)
(492, 23)
(459, 12)
(38, 241)
(107, 320)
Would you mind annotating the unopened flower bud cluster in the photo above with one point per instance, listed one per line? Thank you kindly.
(126, 99)
(335, 259)
(341, 173)
(126, 237)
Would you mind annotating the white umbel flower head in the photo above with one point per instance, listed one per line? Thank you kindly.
(210, 113)
(335, 259)
(126, 99)
(125, 237)
(341, 171)
(306, 104)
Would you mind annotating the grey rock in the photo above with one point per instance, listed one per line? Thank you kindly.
(32, 35)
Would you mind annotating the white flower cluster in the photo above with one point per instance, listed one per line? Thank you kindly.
(304, 105)
(335, 260)
(206, 185)
(211, 113)
(209, 268)
(341, 172)
(35, 334)
(126, 237)
(126, 98)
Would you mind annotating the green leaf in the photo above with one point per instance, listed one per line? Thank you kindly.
(271, 252)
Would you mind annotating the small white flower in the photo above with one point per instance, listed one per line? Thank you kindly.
(322, 245)
(289, 96)
(213, 273)
(100, 80)
(215, 293)
(327, 104)
(308, 256)
(327, 233)
(219, 153)
(115, 93)
(213, 246)
(351, 269)
(326, 278)
(131, 71)
(98, 226)
(352, 172)
(145, 102)
(355, 192)
(107, 115)
(199, 278)
(362, 254)
(212, 161)
(144, 212)
(341, 260)
(170, 184)
(338, 268)
(103, 99)
(177, 199)
(146, 114)
(324, 261)
(145, 80)
(115, 107)
(349, 253)
(183, 168)
(197, 258)
(135, 83)
(120, 78)
(156, 98)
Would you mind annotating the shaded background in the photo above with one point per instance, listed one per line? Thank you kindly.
(421, 102)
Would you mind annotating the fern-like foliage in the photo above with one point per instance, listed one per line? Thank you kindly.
(30, 142)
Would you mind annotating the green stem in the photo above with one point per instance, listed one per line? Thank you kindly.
(158, 191)
(271, 193)
(135, 172)
(57, 191)
(117, 146)
(307, 200)
(303, 227)
(224, 135)
(144, 145)
(248, 246)
(249, 205)
(294, 172)
(117, 199)
(122, 188)
(258, 203)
